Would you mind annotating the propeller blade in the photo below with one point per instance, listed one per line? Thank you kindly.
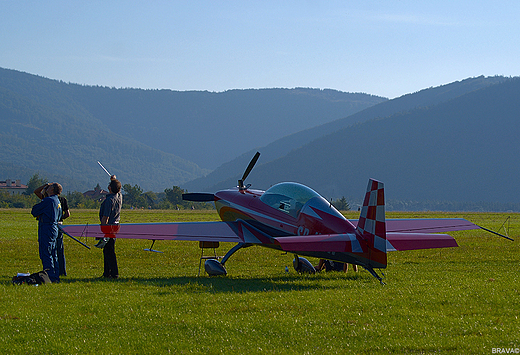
(248, 170)
(198, 197)
(251, 165)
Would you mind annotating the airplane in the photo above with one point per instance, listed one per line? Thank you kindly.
(293, 218)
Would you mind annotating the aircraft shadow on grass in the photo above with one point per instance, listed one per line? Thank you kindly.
(235, 284)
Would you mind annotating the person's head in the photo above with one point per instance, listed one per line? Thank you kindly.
(53, 189)
(114, 186)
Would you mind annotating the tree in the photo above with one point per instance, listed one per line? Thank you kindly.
(8, 200)
(150, 198)
(341, 204)
(76, 199)
(133, 196)
(174, 195)
(34, 182)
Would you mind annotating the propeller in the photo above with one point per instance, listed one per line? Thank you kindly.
(209, 197)
(248, 170)
(198, 197)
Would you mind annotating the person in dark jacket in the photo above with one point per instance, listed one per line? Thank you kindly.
(59, 242)
(109, 216)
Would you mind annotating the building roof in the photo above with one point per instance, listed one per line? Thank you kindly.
(96, 194)
(12, 185)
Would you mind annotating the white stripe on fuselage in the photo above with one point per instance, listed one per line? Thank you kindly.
(256, 216)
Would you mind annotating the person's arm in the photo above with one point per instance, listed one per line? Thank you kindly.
(104, 220)
(64, 208)
(39, 208)
(321, 264)
(38, 191)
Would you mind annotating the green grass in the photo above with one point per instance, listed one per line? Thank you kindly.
(450, 301)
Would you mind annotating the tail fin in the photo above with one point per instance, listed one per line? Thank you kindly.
(372, 225)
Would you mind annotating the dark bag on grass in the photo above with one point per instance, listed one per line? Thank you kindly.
(41, 277)
(37, 278)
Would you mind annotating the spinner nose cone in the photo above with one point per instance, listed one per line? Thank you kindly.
(198, 197)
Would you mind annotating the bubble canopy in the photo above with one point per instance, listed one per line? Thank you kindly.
(288, 197)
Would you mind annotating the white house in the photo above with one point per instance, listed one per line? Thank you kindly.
(13, 187)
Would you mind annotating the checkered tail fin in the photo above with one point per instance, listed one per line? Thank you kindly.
(372, 226)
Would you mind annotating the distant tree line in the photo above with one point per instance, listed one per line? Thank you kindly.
(133, 198)
(171, 198)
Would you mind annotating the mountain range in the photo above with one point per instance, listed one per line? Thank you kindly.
(455, 142)
(152, 138)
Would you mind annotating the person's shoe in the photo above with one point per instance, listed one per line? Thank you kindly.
(102, 242)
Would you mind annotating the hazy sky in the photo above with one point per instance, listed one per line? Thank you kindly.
(386, 48)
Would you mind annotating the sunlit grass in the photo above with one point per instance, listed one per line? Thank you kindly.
(457, 300)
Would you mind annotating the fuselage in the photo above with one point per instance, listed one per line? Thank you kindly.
(285, 209)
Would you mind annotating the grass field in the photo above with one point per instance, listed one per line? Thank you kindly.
(463, 300)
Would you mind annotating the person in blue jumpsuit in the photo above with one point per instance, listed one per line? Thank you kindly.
(41, 193)
(48, 212)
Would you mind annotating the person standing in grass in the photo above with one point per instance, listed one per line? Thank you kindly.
(109, 216)
(41, 193)
(48, 212)
(330, 265)
(59, 242)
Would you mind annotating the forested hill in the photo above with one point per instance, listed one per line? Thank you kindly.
(147, 137)
(211, 128)
(36, 138)
(464, 150)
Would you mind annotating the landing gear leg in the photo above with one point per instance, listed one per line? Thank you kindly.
(371, 270)
(233, 250)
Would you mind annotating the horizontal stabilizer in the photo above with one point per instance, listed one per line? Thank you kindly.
(339, 243)
(414, 241)
(198, 197)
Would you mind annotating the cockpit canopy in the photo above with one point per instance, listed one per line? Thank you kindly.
(288, 197)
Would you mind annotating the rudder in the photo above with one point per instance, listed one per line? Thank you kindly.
(372, 225)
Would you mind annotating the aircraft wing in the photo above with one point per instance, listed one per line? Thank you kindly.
(402, 234)
(414, 241)
(426, 225)
(196, 231)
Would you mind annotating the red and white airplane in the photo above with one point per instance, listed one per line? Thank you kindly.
(294, 218)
